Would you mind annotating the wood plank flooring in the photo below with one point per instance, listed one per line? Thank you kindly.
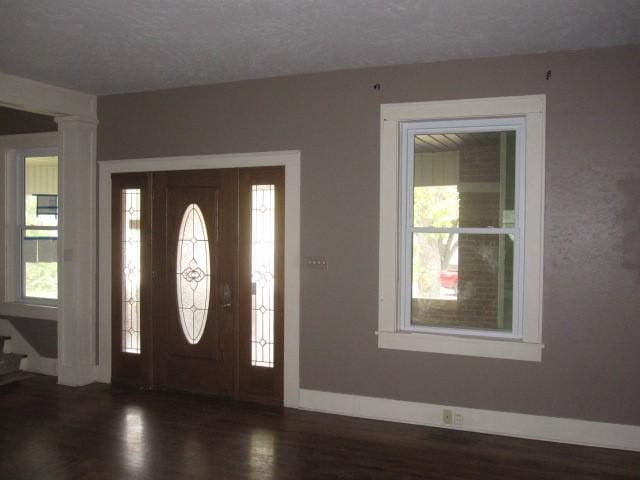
(102, 432)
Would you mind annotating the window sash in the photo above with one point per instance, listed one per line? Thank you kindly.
(22, 227)
(39, 227)
(23, 266)
(405, 252)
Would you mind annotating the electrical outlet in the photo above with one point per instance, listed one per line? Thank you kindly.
(447, 416)
(458, 419)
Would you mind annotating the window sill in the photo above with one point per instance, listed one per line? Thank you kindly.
(26, 310)
(455, 345)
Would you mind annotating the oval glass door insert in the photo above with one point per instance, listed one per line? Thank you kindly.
(193, 276)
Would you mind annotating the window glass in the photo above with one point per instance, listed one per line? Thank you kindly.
(263, 204)
(193, 278)
(461, 228)
(131, 201)
(464, 179)
(469, 285)
(39, 232)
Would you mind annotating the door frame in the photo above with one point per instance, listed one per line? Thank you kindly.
(291, 162)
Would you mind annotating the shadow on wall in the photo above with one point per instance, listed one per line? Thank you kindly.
(42, 335)
(630, 219)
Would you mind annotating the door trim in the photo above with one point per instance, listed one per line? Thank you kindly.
(291, 162)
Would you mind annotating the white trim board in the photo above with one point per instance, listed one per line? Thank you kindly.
(536, 427)
(291, 162)
(24, 94)
(17, 344)
(76, 116)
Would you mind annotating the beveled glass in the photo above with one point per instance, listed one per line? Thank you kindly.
(193, 275)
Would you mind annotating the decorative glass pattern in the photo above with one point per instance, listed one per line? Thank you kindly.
(131, 216)
(193, 278)
(263, 202)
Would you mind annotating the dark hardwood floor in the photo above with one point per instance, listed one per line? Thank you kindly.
(103, 432)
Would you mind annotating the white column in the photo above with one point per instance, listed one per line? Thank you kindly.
(77, 251)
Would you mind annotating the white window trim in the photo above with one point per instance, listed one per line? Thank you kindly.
(20, 228)
(528, 346)
(11, 303)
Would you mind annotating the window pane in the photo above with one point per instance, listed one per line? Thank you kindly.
(464, 179)
(40, 263)
(263, 204)
(41, 191)
(462, 281)
(131, 216)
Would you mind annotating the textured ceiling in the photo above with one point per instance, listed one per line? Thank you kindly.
(111, 46)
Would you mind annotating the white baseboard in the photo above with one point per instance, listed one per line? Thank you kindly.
(76, 376)
(551, 429)
(34, 362)
(43, 365)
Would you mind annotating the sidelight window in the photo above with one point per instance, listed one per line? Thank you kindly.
(131, 217)
(263, 201)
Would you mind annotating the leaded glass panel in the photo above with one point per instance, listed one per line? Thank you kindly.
(262, 274)
(131, 242)
(193, 275)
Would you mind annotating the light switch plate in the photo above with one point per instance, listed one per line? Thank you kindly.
(316, 263)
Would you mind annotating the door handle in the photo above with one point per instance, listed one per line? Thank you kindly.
(226, 296)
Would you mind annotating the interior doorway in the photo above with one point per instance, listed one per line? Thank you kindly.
(198, 281)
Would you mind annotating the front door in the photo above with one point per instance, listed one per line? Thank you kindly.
(195, 248)
(213, 318)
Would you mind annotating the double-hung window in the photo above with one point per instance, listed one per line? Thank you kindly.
(38, 225)
(30, 212)
(462, 186)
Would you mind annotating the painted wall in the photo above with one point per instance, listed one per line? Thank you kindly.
(14, 122)
(592, 256)
(42, 335)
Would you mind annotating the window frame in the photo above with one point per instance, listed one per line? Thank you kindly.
(407, 161)
(397, 120)
(11, 303)
(21, 227)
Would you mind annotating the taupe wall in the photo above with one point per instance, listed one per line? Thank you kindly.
(591, 363)
(17, 121)
(42, 335)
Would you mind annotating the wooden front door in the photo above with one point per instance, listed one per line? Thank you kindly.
(213, 318)
(194, 259)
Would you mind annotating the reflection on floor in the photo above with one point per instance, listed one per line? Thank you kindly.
(102, 432)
